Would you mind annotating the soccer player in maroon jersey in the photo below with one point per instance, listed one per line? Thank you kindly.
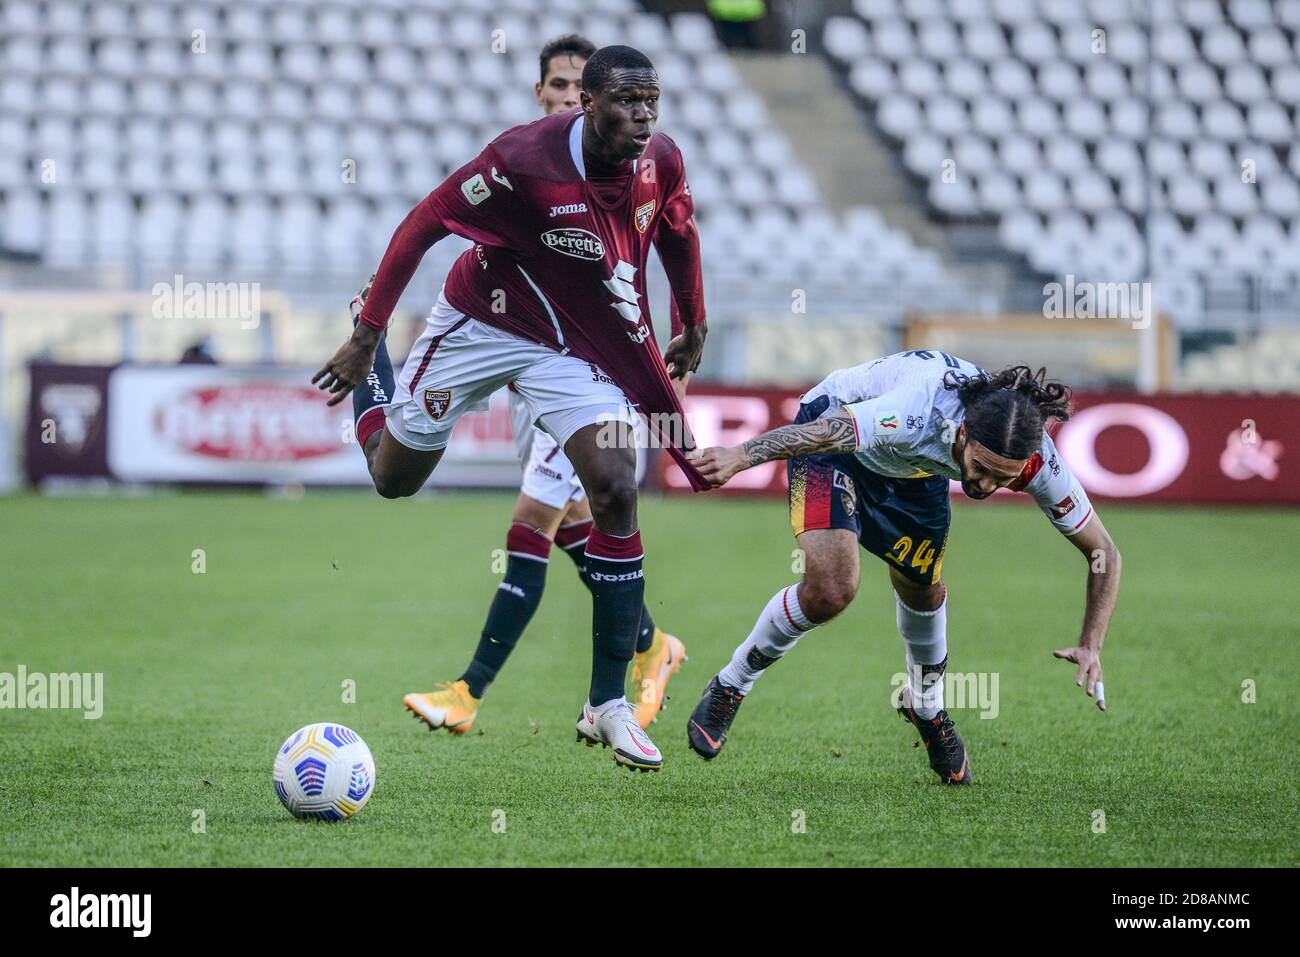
(551, 501)
(562, 212)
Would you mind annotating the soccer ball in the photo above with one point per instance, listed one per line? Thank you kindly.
(324, 771)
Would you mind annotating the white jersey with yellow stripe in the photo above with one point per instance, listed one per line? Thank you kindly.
(907, 421)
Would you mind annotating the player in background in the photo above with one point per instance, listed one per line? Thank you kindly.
(870, 455)
(550, 300)
(551, 501)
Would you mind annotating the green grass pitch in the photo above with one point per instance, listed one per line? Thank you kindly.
(205, 675)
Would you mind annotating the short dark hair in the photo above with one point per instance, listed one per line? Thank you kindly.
(572, 44)
(1006, 411)
(602, 63)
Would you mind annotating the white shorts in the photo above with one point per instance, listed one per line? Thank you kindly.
(549, 476)
(458, 362)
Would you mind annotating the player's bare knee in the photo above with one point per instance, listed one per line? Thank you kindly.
(920, 597)
(395, 486)
(822, 598)
(389, 488)
(613, 501)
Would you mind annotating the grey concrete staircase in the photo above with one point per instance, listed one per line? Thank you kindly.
(830, 139)
(854, 165)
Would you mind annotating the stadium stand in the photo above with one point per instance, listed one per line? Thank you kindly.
(284, 141)
(1070, 132)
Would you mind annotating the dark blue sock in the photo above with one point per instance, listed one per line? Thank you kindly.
(573, 540)
(617, 586)
(578, 553)
(375, 393)
(513, 606)
(645, 635)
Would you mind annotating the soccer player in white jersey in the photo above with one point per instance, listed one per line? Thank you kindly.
(870, 456)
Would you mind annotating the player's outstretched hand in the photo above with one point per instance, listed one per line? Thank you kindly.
(1089, 670)
(350, 365)
(684, 352)
(717, 465)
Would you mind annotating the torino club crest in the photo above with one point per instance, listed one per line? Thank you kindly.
(437, 402)
(644, 213)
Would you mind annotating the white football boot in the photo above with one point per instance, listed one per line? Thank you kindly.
(615, 726)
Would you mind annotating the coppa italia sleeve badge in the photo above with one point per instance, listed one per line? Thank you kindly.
(437, 402)
(887, 423)
(475, 189)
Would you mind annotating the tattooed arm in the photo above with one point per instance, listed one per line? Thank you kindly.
(834, 433)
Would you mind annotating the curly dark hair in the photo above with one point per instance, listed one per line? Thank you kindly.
(1006, 411)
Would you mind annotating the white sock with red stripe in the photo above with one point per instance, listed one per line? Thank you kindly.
(777, 630)
(925, 635)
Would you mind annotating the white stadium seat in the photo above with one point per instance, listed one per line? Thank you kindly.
(1035, 42)
(1268, 47)
(946, 115)
(998, 191)
(1039, 117)
(1245, 82)
(938, 39)
(1211, 158)
(874, 79)
(1189, 196)
(1198, 82)
(984, 41)
(993, 117)
(846, 38)
(924, 154)
(1173, 43)
(1223, 120)
(1086, 119)
(1045, 192)
(1066, 156)
(920, 78)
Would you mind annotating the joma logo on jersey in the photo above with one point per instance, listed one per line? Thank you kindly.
(437, 402)
(575, 242)
(568, 210)
(644, 213)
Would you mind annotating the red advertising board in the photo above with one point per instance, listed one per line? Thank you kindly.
(1164, 448)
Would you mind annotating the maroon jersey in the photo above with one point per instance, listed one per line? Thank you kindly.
(560, 258)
